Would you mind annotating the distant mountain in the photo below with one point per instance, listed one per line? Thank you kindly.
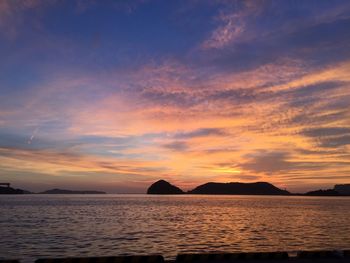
(62, 191)
(162, 187)
(328, 192)
(343, 189)
(338, 190)
(12, 191)
(259, 188)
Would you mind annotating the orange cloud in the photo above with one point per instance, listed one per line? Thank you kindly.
(220, 135)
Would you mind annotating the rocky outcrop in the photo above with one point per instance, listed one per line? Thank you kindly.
(162, 187)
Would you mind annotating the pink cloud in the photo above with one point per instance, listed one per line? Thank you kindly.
(232, 24)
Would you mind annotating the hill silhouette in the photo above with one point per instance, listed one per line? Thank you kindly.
(259, 188)
(162, 187)
(327, 192)
(12, 191)
(343, 189)
(338, 190)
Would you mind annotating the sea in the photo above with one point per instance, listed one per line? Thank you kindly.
(39, 226)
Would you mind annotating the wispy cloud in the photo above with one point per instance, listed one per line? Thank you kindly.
(233, 23)
(265, 97)
(177, 146)
(203, 132)
(326, 131)
(267, 162)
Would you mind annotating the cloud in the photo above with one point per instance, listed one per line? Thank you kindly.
(329, 137)
(267, 162)
(298, 164)
(168, 98)
(250, 35)
(54, 162)
(232, 28)
(313, 89)
(241, 95)
(247, 177)
(267, 77)
(233, 23)
(179, 146)
(203, 132)
(335, 141)
(326, 131)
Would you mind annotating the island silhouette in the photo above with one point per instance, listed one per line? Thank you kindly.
(12, 191)
(163, 187)
(9, 190)
(258, 188)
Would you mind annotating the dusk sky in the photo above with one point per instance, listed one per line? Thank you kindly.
(114, 95)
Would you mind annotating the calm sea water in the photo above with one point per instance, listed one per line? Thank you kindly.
(34, 226)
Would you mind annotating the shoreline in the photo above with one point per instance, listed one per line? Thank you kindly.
(173, 195)
(279, 256)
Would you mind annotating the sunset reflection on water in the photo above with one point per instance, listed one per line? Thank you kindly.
(41, 225)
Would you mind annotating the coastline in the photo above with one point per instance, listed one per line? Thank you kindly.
(266, 257)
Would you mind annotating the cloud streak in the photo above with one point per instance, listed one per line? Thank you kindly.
(264, 97)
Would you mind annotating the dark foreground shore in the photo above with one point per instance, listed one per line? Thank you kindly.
(273, 257)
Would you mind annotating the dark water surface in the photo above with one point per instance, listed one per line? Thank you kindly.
(34, 226)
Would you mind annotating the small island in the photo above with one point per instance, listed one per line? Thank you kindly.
(162, 187)
(12, 191)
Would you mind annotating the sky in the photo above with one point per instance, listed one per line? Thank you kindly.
(114, 95)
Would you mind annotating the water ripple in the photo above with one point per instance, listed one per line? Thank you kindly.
(35, 226)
